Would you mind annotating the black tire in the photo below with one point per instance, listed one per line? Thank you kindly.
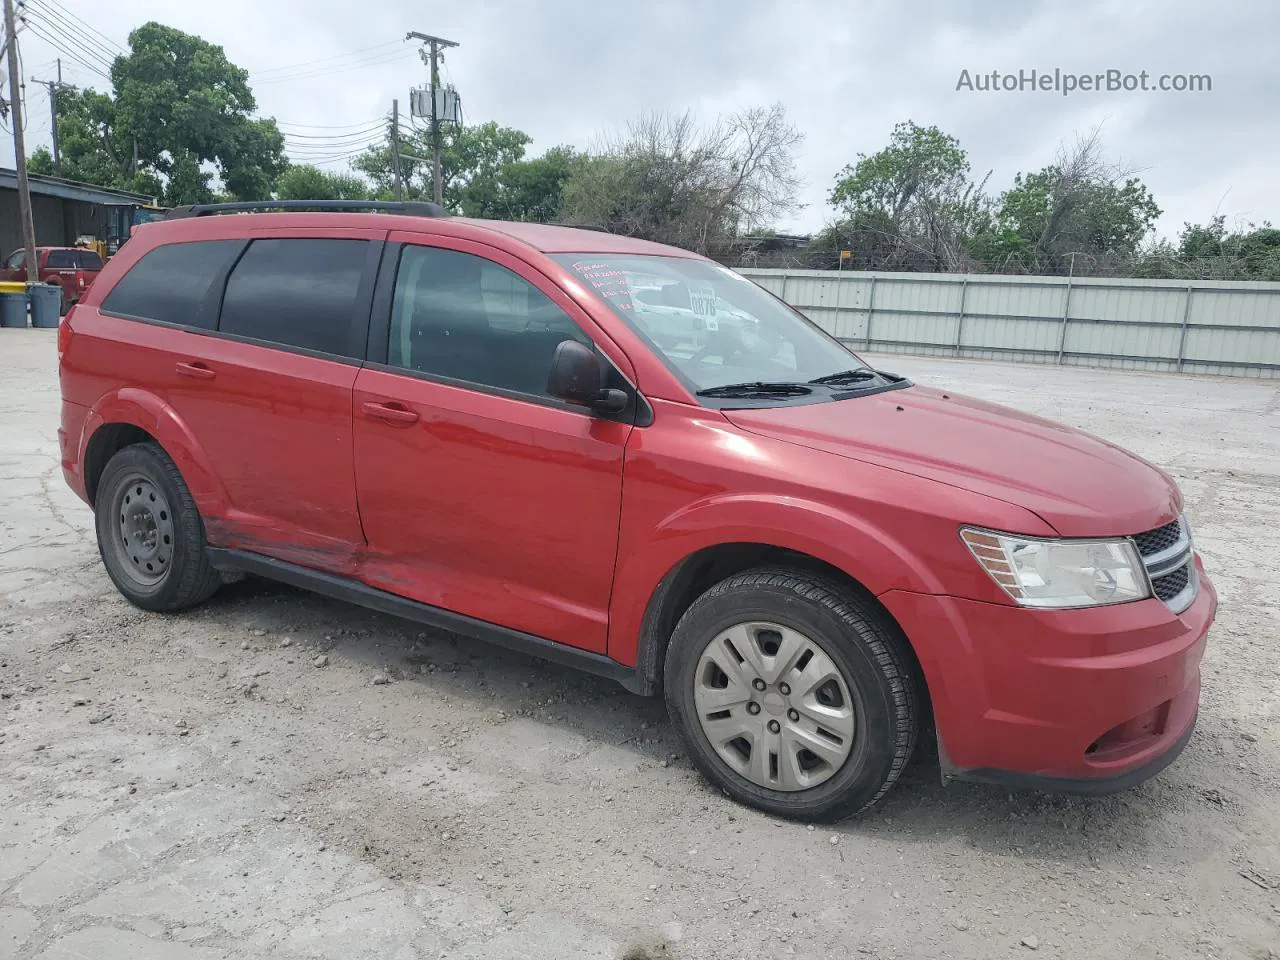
(182, 574)
(865, 645)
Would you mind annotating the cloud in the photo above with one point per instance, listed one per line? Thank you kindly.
(566, 72)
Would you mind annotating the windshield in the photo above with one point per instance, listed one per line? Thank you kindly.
(716, 328)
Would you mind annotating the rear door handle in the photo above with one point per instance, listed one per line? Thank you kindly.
(393, 413)
(195, 370)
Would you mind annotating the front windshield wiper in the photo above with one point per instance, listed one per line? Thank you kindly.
(847, 376)
(758, 388)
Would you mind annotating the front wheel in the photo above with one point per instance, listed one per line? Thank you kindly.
(149, 531)
(795, 694)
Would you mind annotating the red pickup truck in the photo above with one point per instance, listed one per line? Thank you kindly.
(71, 268)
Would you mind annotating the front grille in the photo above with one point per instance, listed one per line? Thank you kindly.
(1171, 584)
(1167, 554)
(1161, 538)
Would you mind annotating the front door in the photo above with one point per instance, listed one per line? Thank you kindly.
(478, 492)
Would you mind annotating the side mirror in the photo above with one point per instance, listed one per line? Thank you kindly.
(575, 378)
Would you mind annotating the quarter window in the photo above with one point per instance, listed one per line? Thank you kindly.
(298, 293)
(170, 283)
(463, 317)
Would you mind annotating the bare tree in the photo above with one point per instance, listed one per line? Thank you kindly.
(668, 179)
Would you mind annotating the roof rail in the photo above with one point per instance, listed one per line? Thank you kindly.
(412, 208)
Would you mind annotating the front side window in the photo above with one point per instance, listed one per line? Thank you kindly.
(297, 293)
(463, 317)
(170, 283)
(16, 260)
(722, 334)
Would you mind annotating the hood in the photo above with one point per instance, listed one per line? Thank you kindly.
(1080, 485)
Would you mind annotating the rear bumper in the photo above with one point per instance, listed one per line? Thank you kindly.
(69, 452)
(1088, 701)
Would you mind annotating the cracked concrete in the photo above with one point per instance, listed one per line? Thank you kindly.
(193, 788)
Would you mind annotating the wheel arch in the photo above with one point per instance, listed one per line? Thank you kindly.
(132, 415)
(697, 572)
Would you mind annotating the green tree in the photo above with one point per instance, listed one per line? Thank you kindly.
(1079, 206)
(305, 182)
(183, 111)
(471, 160)
(912, 205)
(528, 190)
(87, 134)
(1210, 250)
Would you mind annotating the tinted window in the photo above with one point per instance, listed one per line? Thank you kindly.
(170, 283)
(461, 316)
(61, 260)
(88, 260)
(298, 293)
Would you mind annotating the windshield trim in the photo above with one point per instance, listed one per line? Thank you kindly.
(822, 393)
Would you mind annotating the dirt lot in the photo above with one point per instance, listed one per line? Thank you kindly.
(282, 776)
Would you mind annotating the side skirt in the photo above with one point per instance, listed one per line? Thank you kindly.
(352, 591)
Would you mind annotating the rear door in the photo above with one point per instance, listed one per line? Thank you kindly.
(262, 375)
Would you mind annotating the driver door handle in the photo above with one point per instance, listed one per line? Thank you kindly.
(390, 412)
(194, 369)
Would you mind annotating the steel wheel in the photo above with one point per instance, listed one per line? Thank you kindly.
(774, 706)
(144, 530)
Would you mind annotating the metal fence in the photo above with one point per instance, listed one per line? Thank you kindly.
(1204, 326)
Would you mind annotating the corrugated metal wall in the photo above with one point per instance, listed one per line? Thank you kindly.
(1201, 326)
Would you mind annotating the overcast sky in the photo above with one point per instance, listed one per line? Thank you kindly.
(847, 72)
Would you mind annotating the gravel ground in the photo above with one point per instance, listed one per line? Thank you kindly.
(277, 775)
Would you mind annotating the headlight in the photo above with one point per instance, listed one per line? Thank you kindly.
(1060, 573)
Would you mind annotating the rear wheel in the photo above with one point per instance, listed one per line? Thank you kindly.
(149, 531)
(794, 693)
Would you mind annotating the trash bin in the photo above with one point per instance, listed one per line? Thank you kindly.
(46, 304)
(13, 309)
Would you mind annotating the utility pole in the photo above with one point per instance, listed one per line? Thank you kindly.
(54, 86)
(395, 148)
(20, 147)
(437, 44)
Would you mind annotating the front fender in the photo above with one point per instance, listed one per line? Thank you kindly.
(853, 544)
(145, 410)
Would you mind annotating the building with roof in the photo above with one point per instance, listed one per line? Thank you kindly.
(64, 210)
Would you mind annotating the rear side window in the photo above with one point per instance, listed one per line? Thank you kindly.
(297, 293)
(88, 260)
(170, 283)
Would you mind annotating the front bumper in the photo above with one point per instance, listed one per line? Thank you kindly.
(1079, 700)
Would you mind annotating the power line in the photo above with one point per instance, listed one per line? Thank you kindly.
(334, 158)
(107, 42)
(337, 138)
(64, 47)
(398, 57)
(336, 56)
(69, 54)
(104, 59)
(318, 126)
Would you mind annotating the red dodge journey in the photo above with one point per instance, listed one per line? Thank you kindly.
(624, 457)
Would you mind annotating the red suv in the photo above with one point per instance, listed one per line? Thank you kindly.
(625, 457)
(71, 268)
